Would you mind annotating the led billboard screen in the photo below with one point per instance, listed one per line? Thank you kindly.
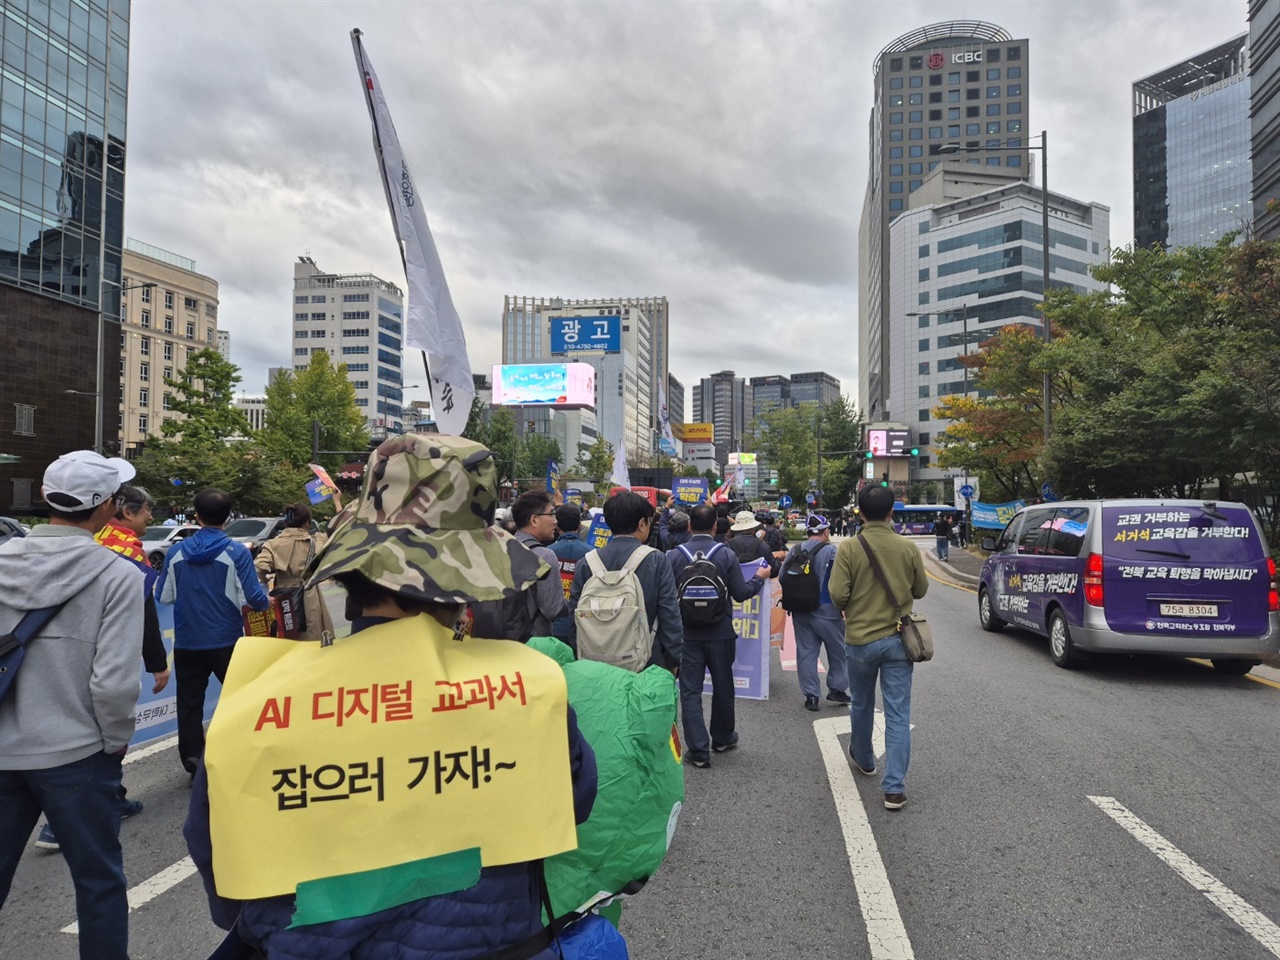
(548, 384)
(889, 443)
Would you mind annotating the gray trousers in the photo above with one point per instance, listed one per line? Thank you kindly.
(812, 634)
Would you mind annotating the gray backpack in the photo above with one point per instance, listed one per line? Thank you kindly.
(613, 626)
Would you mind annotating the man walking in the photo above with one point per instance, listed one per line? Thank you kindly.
(822, 628)
(710, 646)
(69, 713)
(209, 579)
(942, 536)
(535, 515)
(873, 644)
(568, 549)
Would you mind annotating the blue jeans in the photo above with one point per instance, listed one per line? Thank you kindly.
(697, 659)
(887, 659)
(944, 548)
(812, 634)
(82, 804)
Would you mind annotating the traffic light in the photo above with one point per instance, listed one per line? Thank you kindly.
(915, 451)
(746, 481)
(773, 481)
(884, 479)
(868, 455)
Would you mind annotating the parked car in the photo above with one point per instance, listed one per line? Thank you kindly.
(253, 532)
(10, 528)
(1178, 577)
(157, 541)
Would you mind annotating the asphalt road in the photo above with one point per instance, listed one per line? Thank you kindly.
(1000, 852)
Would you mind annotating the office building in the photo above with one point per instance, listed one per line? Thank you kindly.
(818, 387)
(969, 260)
(675, 402)
(625, 339)
(1192, 176)
(1264, 115)
(169, 312)
(769, 393)
(961, 82)
(359, 320)
(223, 345)
(254, 410)
(63, 107)
(724, 401)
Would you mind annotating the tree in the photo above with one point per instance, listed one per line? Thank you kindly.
(504, 444)
(788, 439)
(538, 449)
(596, 463)
(322, 394)
(477, 428)
(202, 395)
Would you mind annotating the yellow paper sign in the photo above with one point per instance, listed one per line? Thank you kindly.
(395, 744)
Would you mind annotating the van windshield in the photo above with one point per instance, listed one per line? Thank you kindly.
(1153, 534)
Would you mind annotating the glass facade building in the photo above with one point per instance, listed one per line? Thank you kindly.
(63, 109)
(1192, 173)
(1264, 114)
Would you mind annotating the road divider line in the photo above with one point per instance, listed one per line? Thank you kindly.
(151, 888)
(1251, 920)
(150, 751)
(886, 935)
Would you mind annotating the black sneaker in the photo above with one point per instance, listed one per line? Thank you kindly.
(860, 768)
(895, 801)
(811, 703)
(726, 747)
(700, 760)
(839, 696)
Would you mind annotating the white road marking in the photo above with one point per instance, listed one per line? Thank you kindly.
(150, 751)
(886, 935)
(1253, 922)
(149, 889)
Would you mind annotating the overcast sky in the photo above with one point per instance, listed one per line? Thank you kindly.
(712, 153)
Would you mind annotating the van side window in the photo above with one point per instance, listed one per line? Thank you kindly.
(1066, 537)
(1035, 532)
(1009, 536)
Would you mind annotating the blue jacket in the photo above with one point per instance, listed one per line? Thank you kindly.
(503, 908)
(730, 567)
(569, 549)
(208, 578)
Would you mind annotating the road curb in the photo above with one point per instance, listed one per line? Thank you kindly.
(946, 568)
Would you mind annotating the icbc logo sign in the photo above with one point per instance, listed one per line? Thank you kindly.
(936, 60)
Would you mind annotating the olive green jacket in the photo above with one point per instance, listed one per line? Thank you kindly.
(855, 591)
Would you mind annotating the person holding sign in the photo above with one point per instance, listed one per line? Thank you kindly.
(394, 793)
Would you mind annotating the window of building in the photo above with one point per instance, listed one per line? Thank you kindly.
(923, 227)
(144, 372)
(895, 64)
(973, 76)
(895, 100)
(318, 334)
(24, 421)
(923, 460)
(922, 298)
(146, 294)
(22, 494)
(973, 111)
(915, 63)
(933, 165)
(935, 133)
(993, 93)
(993, 161)
(917, 168)
(299, 351)
(916, 81)
(1013, 90)
(992, 126)
(360, 384)
(357, 367)
(389, 341)
(953, 113)
(915, 151)
(895, 169)
(355, 298)
(1013, 73)
(895, 83)
(895, 153)
(144, 346)
(935, 79)
(915, 99)
(922, 346)
(299, 299)
(168, 350)
(922, 251)
(972, 93)
(356, 332)
(895, 135)
(953, 96)
(895, 186)
(355, 351)
(144, 423)
(1013, 143)
(300, 318)
(319, 298)
(208, 335)
(1013, 126)
(923, 391)
(924, 416)
(355, 315)
(923, 275)
(124, 340)
(1014, 107)
(923, 368)
(318, 316)
(1014, 53)
(1013, 161)
(167, 401)
(993, 73)
(144, 396)
(935, 114)
(362, 401)
(953, 130)
(317, 349)
(146, 319)
(992, 144)
(895, 204)
(300, 334)
(168, 324)
(913, 185)
(917, 133)
(993, 109)
(953, 79)
(210, 309)
(168, 373)
(992, 55)
(935, 97)
(917, 116)
(895, 117)
(191, 303)
(168, 299)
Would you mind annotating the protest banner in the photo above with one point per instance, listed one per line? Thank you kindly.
(753, 623)
(690, 491)
(994, 516)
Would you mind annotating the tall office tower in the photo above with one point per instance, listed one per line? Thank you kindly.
(625, 339)
(1192, 177)
(63, 106)
(724, 401)
(817, 387)
(968, 258)
(1264, 114)
(963, 82)
(359, 319)
(168, 313)
(675, 402)
(769, 393)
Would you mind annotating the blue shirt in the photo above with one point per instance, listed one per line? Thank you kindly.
(208, 578)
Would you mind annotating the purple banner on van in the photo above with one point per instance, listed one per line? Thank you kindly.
(1184, 569)
(752, 624)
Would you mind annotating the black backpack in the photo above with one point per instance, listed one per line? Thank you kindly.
(801, 591)
(511, 618)
(703, 596)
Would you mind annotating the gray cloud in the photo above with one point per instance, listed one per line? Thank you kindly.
(712, 153)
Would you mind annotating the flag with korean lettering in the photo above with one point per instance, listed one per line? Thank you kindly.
(666, 442)
(432, 323)
(553, 475)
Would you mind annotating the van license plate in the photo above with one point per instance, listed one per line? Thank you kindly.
(1188, 609)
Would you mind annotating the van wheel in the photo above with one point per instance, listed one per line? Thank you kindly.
(1233, 668)
(1060, 646)
(986, 612)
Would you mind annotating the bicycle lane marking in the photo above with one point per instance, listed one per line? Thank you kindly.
(886, 935)
(1252, 921)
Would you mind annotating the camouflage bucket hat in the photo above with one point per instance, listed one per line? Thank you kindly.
(423, 525)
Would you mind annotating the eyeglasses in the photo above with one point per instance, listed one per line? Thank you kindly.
(551, 514)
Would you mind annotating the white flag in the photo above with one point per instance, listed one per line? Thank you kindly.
(667, 443)
(621, 475)
(740, 479)
(432, 323)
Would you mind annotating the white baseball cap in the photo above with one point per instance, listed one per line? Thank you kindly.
(82, 480)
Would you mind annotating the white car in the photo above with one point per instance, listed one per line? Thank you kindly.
(157, 541)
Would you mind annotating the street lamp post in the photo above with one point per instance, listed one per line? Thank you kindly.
(1043, 147)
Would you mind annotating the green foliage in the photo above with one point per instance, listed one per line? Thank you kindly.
(476, 429)
(788, 439)
(501, 439)
(320, 393)
(203, 393)
(537, 450)
(596, 462)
